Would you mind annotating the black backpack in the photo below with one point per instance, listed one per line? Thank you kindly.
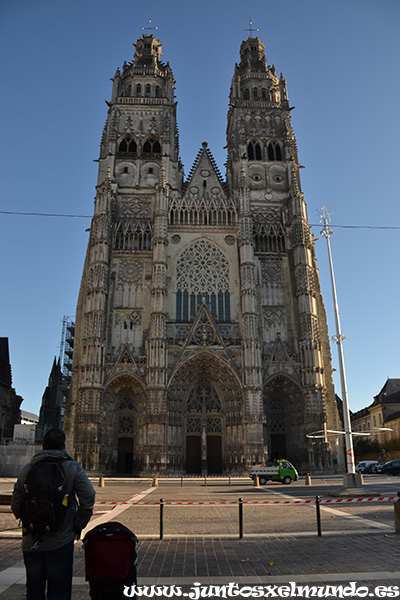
(46, 500)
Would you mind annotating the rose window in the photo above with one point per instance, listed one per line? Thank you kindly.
(202, 276)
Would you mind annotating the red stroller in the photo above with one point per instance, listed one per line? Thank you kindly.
(110, 559)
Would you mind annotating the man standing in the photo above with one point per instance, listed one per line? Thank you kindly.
(49, 549)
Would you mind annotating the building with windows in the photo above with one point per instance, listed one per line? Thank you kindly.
(201, 342)
(384, 412)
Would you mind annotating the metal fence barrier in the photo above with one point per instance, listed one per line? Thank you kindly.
(240, 502)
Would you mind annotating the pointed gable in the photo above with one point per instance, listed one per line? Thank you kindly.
(126, 357)
(205, 200)
(205, 174)
(204, 333)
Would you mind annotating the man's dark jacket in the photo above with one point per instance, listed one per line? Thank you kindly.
(78, 513)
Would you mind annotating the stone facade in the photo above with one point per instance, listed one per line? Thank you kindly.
(201, 342)
(10, 402)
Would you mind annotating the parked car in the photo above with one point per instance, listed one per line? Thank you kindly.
(376, 467)
(370, 468)
(379, 468)
(392, 467)
(364, 466)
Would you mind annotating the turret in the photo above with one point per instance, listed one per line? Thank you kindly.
(141, 123)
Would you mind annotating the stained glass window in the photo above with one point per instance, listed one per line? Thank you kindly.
(202, 275)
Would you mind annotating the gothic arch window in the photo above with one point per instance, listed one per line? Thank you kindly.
(274, 151)
(269, 237)
(127, 147)
(255, 93)
(138, 89)
(254, 150)
(204, 409)
(158, 91)
(148, 89)
(202, 273)
(135, 234)
(277, 424)
(246, 94)
(203, 206)
(126, 403)
(151, 148)
(264, 94)
(203, 397)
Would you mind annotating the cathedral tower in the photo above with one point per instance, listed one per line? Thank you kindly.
(201, 343)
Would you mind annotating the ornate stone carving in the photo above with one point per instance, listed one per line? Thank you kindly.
(304, 280)
(204, 335)
(127, 403)
(271, 274)
(230, 240)
(135, 208)
(153, 126)
(274, 315)
(277, 424)
(130, 271)
(267, 215)
(214, 425)
(309, 327)
(98, 278)
(135, 317)
(202, 268)
(193, 425)
(203, 395)
(126, 424)
(300, 234)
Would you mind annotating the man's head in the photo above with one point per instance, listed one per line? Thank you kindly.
(54, 440)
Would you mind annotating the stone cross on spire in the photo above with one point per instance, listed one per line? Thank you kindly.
(251, 29)
(149, 28)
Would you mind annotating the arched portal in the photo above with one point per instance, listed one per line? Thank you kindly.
(205, 404)
(284, 432)
(123, 404)
(204, 427)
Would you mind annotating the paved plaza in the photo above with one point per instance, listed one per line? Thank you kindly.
(201, 541)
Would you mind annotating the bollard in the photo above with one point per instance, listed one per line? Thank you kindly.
(397, 514)
(317, 507)
(205, 480)
(162, 518)
(101, 481)
(256, 481)
(240, 518)
(154, 483)
(229, 481)
(308, 479)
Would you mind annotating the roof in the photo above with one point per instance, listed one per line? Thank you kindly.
(391, 387)
(28, 416)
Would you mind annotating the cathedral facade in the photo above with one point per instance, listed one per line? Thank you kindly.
(201, 342)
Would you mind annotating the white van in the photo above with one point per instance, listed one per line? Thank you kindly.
(365, 465)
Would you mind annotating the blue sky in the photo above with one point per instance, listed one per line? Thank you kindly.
(340, 59)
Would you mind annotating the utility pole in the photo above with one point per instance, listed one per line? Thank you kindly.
(351, 478)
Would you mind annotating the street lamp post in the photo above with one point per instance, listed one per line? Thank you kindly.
(351, 478)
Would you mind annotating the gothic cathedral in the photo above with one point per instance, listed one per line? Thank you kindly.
(201, 342)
